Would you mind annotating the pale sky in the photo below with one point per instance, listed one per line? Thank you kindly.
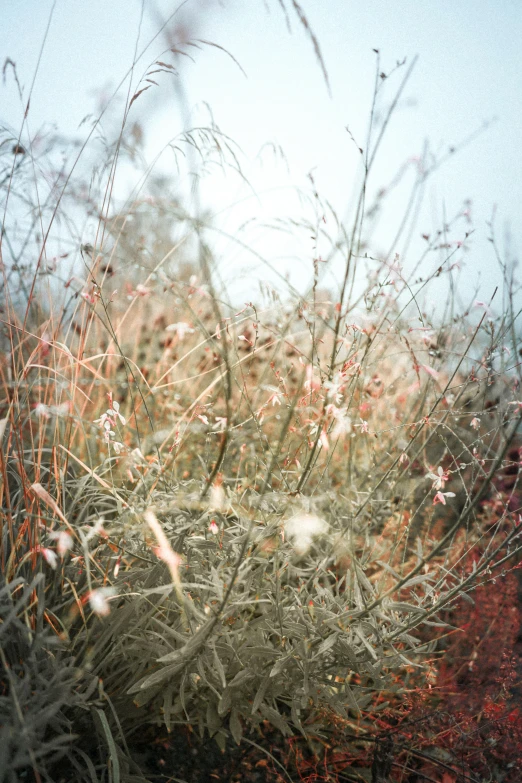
(469, 71)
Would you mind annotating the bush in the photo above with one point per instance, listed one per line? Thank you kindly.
(224, 519)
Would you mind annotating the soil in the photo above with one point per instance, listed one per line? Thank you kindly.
(184, 756)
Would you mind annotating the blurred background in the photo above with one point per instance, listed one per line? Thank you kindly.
(290, 88)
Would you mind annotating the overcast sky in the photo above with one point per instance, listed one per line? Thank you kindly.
(469, 72)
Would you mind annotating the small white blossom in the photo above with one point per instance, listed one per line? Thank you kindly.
(181, 328)
(302, 529)
(439, 479)
(98, 600)
(50, 556)
(63, 540)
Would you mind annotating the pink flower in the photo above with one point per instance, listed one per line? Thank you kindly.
(475, 423)
(440, 497)
(213, 527)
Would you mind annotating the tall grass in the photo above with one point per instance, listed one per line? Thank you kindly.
(224, 517)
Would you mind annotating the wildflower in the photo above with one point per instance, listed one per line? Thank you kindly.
(440, 497)
(137, 457)
(439, 478)
(96, 530)
(334, 389)
(90, 297)
(217, 499)
(363, 425)
(302, 529)
(42, 410)
(213, 527)
(142, 290)
(64, 541)
(475, 423)
(50, 556)
(60, 410)
(343, 423)
(181, 328)
(313, 428)
(110, 419)
(275, 397)
(115, 410)
(98, 599)
(111, 416)
(311, 383)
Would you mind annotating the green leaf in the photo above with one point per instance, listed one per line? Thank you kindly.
(260, 694)
(213, 719)
(236, 728)
(156, 678)
(326, 644)
(276, 719)
(112, 745)
(279, 665)
(225, 702)
(221, 741)
(400, 606)
(167, 707)
(219, 667)
(241, 677)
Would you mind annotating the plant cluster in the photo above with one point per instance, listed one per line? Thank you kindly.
(234, 521)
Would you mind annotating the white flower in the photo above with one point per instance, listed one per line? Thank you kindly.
(334, 389)
(60, 410)
(363, 425)
(50, 556)
(439, 479)
(98, 600)
(115, 411)
(95, 530)
(217, 498)
(63, 539)
(181, 328)
(475, 423)
(343, 422)
(302, 529)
